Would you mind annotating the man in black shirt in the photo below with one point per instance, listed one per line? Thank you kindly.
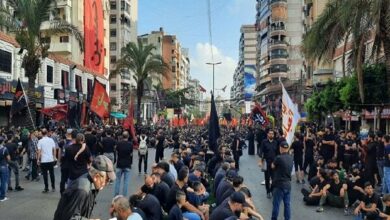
(124, 150)
(149, 204)
(297, 147)
(313, 196)
(328, 147)
(78, 200)
(13, 163)
(335, 194)
(175, 213)
(281, 181)
(4, 159)
(108, 144)
(78, 157)
(70, 139)
(160, 146)
(231, 209)
(268, 151)
(91, 142)
(160, 190)
(380, 155)
(371, 205)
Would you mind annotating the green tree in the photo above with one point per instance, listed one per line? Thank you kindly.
(358, 18)
(24, 19)
(178, 98)
(140, 60)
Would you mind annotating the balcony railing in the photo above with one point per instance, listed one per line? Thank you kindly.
(278, 56)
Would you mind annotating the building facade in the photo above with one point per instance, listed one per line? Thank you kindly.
(245, 72)
(279, 33)
(123, 29)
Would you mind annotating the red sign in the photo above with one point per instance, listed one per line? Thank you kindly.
(384, 115)
(94, 35)
(100, 100)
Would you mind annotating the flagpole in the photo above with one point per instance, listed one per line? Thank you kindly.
(28, 106)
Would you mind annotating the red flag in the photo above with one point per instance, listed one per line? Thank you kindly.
(100, 100)
(181, 122)
(129, 122)
(58, 112)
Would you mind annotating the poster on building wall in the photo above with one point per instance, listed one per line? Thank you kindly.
(249, 81)
(94, 35)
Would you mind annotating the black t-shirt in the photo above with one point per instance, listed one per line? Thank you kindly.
(268, 150)
(151, 207)
(222, 188)
(297, 146)
(222, 212)
(380, 150)
(175, 213)
(79, 166)
(91, 140)
(161, 140)
(125, 152)
(12, 150)
(172, 196)
(309, 150)
(326, 149)
(168, 179)
(335, 188)
(108, 145)
(282, 172)
(373, 199)
(161, 191)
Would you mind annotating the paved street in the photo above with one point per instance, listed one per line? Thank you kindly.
(32, 204)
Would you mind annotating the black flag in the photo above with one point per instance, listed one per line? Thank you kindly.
(213, 126)
(20, 101)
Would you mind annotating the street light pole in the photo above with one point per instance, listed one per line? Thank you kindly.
(214, 64)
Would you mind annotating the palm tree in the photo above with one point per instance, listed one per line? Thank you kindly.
(358, 19)
(24, 19)
(140, 60)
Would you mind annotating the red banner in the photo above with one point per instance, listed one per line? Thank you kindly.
(129, 123)
(100, 100)
(58, 112)
(94, 35)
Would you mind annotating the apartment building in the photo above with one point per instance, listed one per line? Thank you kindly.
(280, 28)
(123, 29)
(245, 73)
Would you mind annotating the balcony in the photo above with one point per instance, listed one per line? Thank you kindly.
(278, 70)
(65, 47)
(278, 31)
(277, 2)
(278, 44)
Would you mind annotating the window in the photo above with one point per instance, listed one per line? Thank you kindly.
(173, 68)
(113, 5)
(65, 79)
(112, 46)
(123, 5)
(79, 84)
(5, 61)
(64, 39)
(173, 51)
(159, 39)
(113, 33)
(113, 59)
(113, 87)
(49, 74)
(112, 19)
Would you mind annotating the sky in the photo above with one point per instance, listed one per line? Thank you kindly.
(188, 20)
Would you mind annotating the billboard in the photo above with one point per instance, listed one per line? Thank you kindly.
(249, 81)
(94, 35)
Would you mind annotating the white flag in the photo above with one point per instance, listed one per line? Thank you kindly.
(290, 116)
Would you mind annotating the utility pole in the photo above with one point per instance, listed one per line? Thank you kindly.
(214, 64)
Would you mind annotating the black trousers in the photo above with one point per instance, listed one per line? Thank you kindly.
(64, 179)
(236, 158)
(268, 176)
(34, 169)
(159, 154)
(48, 167)
(140, 159)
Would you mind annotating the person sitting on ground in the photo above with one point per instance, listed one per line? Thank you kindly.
(148, 203)
(160, 190)
(221, 173)
(371, 205)
(314, 194)
(335, 194)
(230, 209)
(237, 183)
(121, 210)
(175, 213)
(199, 197)
(225, 185)
(163, 169)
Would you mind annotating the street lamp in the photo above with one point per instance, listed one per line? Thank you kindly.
(214, 64)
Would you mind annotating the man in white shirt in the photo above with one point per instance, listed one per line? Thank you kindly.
(120, 209)
(47, 159)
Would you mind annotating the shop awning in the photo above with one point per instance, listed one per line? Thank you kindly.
(118, 115)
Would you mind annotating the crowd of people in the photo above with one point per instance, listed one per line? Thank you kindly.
(189, 181)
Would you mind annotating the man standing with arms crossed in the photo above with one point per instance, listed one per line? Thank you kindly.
(267, 153)
(281, 182)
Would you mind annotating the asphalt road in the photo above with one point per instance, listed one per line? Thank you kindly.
(32, 204)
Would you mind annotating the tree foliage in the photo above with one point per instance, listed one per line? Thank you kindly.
(344, 94)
